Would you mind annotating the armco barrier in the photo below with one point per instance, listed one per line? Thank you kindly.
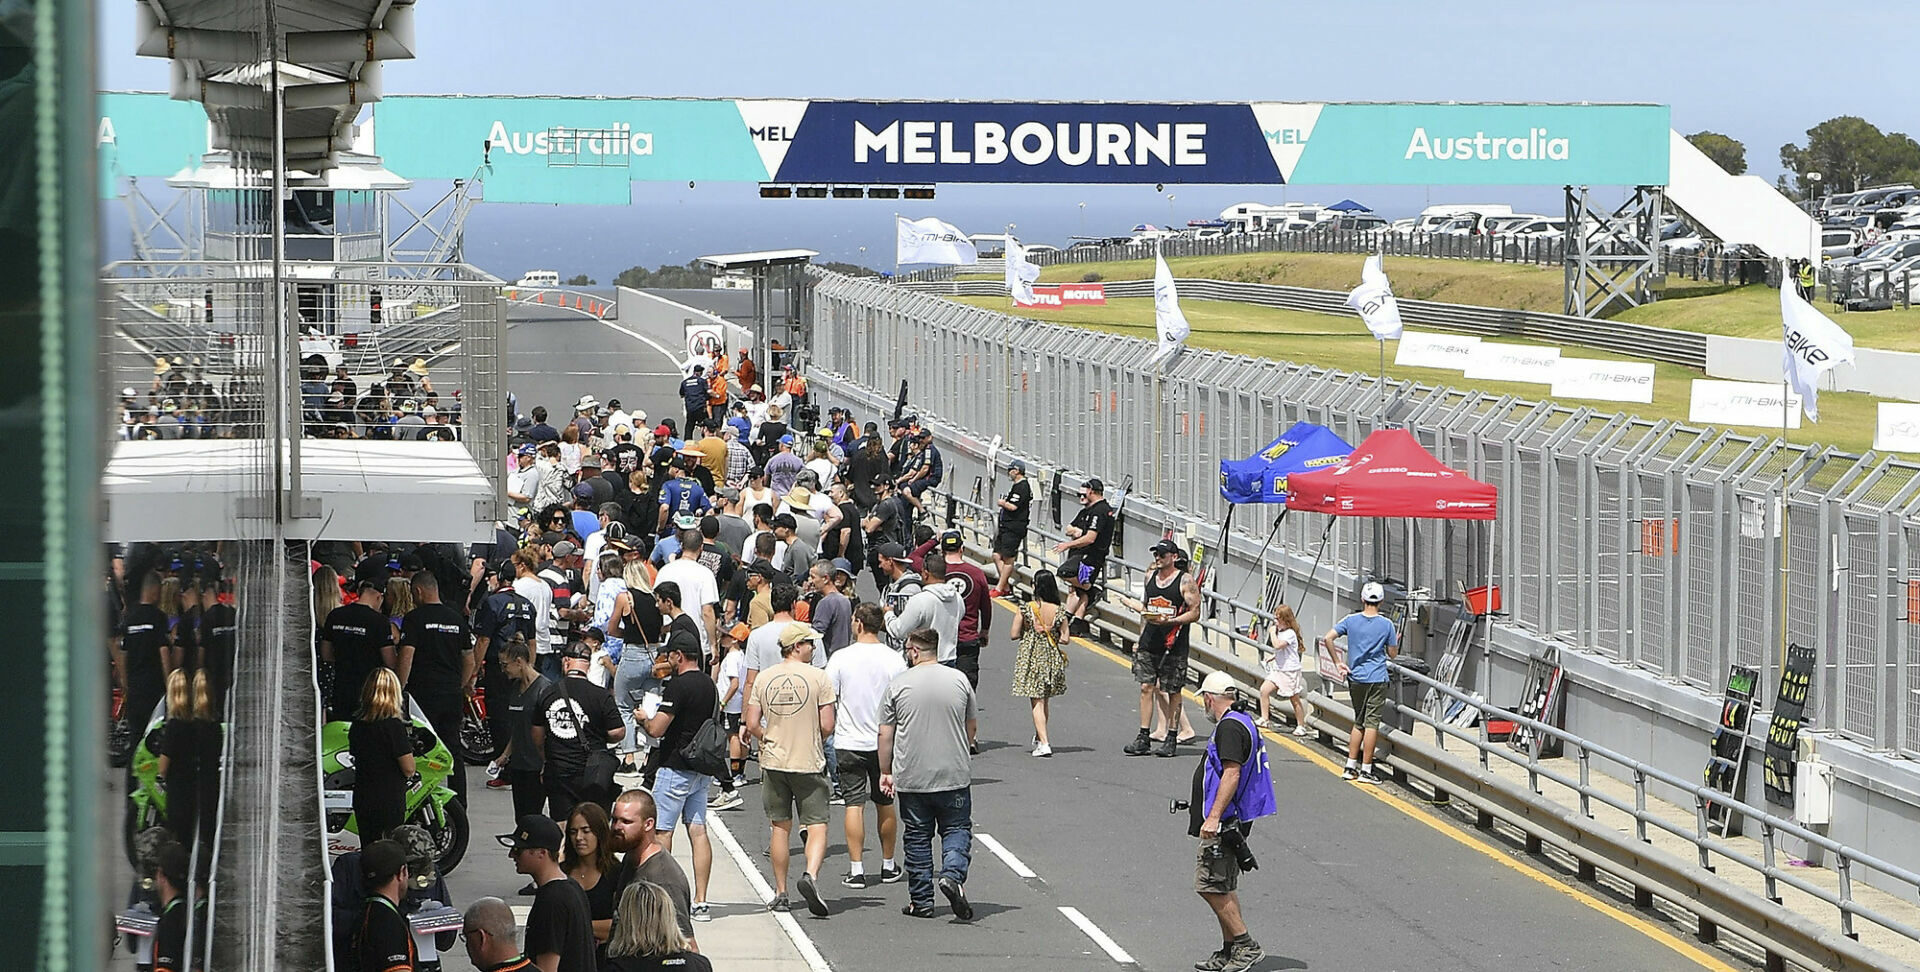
(1618, 337)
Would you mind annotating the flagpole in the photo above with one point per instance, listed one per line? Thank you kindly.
(1006, 258)
(1158, 394)
(1786, 416)
(1381, 407)
(896, 247)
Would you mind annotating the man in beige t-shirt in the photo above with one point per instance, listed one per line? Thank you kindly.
(790, 710)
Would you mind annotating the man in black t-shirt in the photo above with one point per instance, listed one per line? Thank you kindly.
(382, 941)
(437, 667)
(687, 702)
(560, 923)
(578, 718)
(170, 887)
(147, 655)
(1088, 541)
(1014, 510)
(357, 638)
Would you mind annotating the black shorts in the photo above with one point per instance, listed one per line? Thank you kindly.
(859, 777)
(731, 721)
(1081, 571)
(1007, 542)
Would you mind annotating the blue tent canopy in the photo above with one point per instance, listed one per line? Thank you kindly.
(1262, 477)
(1349, 206)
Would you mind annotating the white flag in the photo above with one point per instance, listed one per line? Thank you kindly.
(1020, 274)
(932, 241)
(1167, 318)
(1814, 344)
(1373, 299)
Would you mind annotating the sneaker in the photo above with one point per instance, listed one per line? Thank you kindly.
(780, 904)
(890, 875)
(855, 881)
(1242, 956)
(728, 800)
(1043, 750)
(1141, 745)
(1302, 731)
(498, 783)
(837, 800)
(815, 904)
(1350, 774)
(739, 781)
(957, 897)
(1371, 777)
(917, 911)
(700, 911)
(1169, 746)
(1079, 628)
(1214, 962)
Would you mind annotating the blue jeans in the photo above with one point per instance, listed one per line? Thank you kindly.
(951, 811)
(631, 682)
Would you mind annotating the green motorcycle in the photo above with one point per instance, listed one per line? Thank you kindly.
(147, 796)
(431, 803)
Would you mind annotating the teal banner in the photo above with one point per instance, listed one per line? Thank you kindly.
(147, 135)
(1467, 144)
(565, 150)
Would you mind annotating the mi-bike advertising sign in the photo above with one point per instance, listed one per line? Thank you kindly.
(587, 150)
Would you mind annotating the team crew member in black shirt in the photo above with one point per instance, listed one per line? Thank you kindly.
(503, 613)
(559, 926)
(147, 654)
(170, 886)
(1013, 525)
(688, 701)
(577, 722)
(382, 749)
(382, 942)
(1088, 541)
(356, 638)
(488, 928)
(437, 667)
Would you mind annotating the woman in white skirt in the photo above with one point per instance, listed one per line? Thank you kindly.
(1283, 670)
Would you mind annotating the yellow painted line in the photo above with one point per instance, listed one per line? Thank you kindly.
(1691, 951)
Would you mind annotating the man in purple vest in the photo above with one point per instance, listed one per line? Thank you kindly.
(1231, 788)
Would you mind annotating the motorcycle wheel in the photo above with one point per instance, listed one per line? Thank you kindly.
(132, 822)
(475, 755)
(450, 837)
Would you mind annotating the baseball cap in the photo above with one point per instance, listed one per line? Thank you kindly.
(662, 430)
(950, 540)
(1373, 593)
(924, 435)
(564, 548)
(729, 493)
(795, 632)
(891, 551)
(1217, 683)
(380, 861)
(762, 568)
(740, 632)
(786, 439)
(1017, 464)
(1165, 546)
(423, 866)
(842, 565)
(533, 830)
(576, 649)
(1094, 486)
(836, 410)
(898, 423)
(582, 491)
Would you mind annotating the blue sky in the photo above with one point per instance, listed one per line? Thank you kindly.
(1743, 68)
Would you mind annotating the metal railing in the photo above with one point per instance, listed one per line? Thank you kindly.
(1652, 543)
(1618, 337)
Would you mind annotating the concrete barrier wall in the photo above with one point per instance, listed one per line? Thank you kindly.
(1888, 374)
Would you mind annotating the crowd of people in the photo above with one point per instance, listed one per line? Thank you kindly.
(669, 603)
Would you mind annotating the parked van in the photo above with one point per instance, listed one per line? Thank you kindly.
(539, 278)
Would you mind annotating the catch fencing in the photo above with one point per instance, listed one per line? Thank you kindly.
(1653, 543)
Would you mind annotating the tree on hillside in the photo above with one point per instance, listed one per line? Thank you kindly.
(580, 280)
(1726, 152)
(1849, 153)
(667, 277)
(850, 269)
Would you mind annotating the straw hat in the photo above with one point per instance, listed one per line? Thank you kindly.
(418, 367)
(160, 366)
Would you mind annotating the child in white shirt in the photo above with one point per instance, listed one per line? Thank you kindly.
(1284, 676)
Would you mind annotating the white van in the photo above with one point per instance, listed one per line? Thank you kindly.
(1433, 217)
(540, 278)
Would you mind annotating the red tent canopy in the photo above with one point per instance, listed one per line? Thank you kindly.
(1391, 475)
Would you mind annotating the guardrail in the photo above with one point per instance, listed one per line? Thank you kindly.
(1618, 337)
(1783, 934)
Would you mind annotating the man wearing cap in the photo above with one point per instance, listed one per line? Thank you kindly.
(1168, 607)
(560, 925)
(592, 473)
(623, 456)
(783, 467)
(899, 581)
(924, 466)
(524, 481)
(688, 702)
(693, 394)
(929, 727)
(1232, 787)
(680, 496)
(1089, 539)
(578, 724)
(382, 941)
(901, 431)
(355, 638)
(425, 889)
(791, 711)
(712, 449)
(889, 522)
(504, 614)
(1372, 638)
(1012, 534)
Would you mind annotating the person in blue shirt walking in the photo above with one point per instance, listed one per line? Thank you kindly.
(1371, 640)
(1232, 787)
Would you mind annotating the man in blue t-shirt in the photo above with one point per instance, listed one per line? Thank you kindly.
(1371, 640)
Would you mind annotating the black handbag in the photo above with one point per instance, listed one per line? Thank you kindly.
(706, 752)
(597, 778)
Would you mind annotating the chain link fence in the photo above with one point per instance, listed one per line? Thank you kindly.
(1653, 543)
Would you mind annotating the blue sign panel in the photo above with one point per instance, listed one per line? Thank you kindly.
(931, 142)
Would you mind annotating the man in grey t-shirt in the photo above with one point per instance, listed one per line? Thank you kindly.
(927, 728)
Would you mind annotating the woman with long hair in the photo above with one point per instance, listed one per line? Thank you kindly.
(382, 750)
(866, 462)
(326, 594)
(179, 752)
(209, 739)
(1040, 664)
(570, 449)
(1283, 675)
(399, 601)
(647, 936)
(588, 859)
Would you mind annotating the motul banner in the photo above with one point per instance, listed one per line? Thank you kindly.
(1069, 295)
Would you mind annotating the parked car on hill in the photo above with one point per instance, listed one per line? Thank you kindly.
(1837, 242)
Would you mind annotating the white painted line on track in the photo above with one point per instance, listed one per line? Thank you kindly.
(1005, 855)
(1100, 938)
(788, 923)
(657, 346)
(603, 374)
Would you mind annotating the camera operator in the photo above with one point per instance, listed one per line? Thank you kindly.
(1231, 788)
